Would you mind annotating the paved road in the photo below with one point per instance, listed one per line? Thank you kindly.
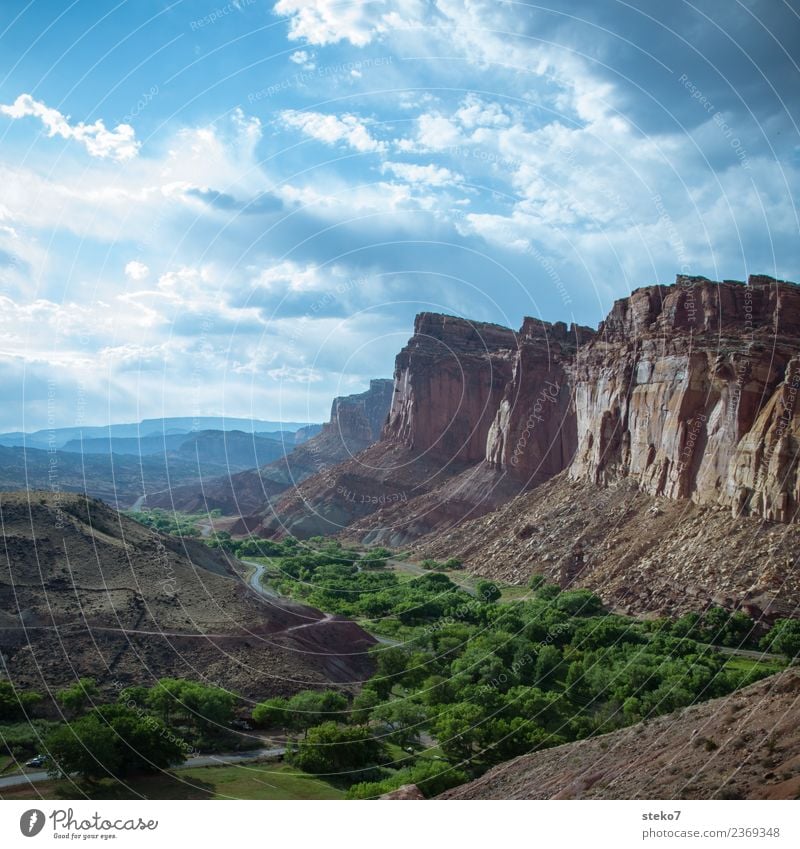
(219, 759)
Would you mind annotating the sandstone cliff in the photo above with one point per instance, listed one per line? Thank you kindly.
(686, 391)
(690, 391)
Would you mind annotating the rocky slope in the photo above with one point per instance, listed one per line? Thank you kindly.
(86, 591)
(639, 553)
(743, 746)
(355, 423)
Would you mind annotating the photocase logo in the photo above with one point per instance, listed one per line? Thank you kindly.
(31, 822)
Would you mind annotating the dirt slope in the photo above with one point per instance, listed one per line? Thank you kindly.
(86, 591)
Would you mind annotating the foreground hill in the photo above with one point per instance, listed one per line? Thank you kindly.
(743, 746)
(86, 591)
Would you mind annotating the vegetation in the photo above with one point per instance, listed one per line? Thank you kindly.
(168, 521)
(234, 781)
(477, 679)
(112, 740)
(14, 704)
(488, 680)
(784, 638)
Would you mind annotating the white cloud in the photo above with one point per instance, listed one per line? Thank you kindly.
(136, 270)
(330, 129)
(476, 112)
(434, 132)
(357, 21)
(292, 276)
(429, 175)
(293, 374)
(304, 58)
(119, 143)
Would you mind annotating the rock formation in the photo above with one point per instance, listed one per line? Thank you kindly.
(687, 390)
(690, 391)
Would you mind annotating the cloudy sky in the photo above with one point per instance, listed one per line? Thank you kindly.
(237, 208)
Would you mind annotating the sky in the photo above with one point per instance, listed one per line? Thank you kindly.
(237, 208)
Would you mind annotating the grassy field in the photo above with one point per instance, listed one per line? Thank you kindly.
(745, 665)
(239, 781)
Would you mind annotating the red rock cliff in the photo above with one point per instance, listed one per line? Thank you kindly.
(534, 432)
(448, 383)
(690, 390)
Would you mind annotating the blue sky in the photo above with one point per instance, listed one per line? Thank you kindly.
(237, 208)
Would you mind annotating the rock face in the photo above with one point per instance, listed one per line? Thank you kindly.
(449, 381)
(534, 432)
(357, 420)
(690, 391)
(685, 391)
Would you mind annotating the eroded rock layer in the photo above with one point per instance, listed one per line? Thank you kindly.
(690, 391)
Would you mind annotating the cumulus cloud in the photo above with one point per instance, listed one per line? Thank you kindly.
(119, 144)
(331, 129)
(135, 270)
(304, 58)
(358, 21)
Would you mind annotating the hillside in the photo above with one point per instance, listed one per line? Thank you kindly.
(637, 552)
(743, 746)
(86, 591)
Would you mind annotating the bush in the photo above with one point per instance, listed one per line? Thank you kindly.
(487, 591)
(16, 704)
(271, 713)
(784, 637)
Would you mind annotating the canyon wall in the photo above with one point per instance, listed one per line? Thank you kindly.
(685, 392)
(449, 380)
(689, 391)
(534, 433)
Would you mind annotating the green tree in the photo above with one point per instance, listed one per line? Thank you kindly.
(784, 637)
(196, 704)
(403, 720)
(487, 591)
(312, 707)
(74, 699)
(547, 661)
(272, 713)
(113, 741)
(329, 749)
(458, 729)
(16, 704)
(364, 703)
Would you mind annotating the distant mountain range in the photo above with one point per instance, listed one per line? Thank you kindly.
(121, 469)
(146, 429)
